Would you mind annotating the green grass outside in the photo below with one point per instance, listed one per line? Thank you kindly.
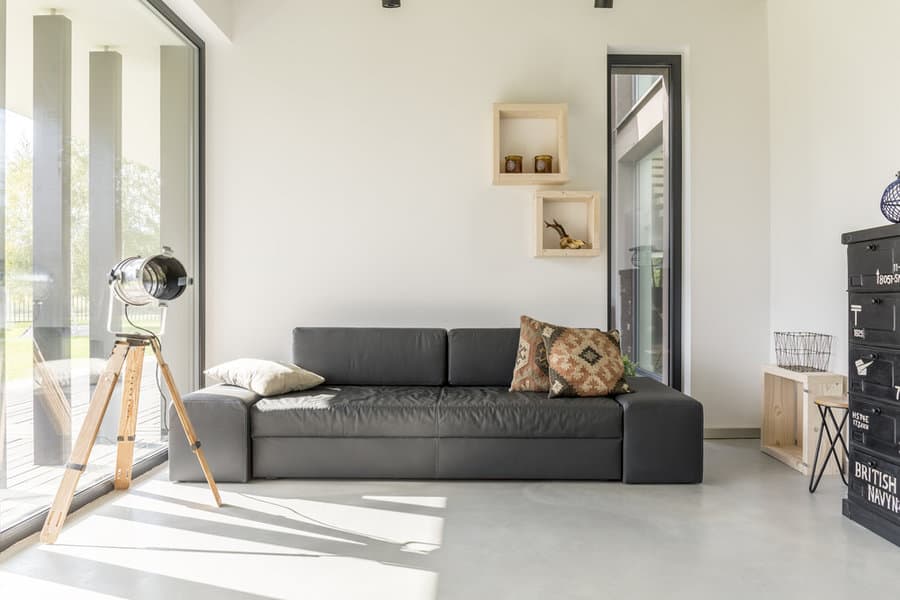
(19, 352)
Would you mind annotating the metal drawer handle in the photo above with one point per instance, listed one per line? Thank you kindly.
(874, 410)
(872, 356)
(872, 247)
(876, 300)
(872, 463)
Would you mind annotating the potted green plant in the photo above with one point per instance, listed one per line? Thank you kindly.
(630, 366)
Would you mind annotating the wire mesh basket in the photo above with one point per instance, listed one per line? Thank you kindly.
(803, 351)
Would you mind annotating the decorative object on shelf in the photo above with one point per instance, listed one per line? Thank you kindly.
(566, 242)
(543, 163)
(803, 351)
(531, 130)
(513, 163)
(580, 212)
(890, 201)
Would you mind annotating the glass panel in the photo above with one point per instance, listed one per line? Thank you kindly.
(639, 243)
(99, 131)
(642, 85)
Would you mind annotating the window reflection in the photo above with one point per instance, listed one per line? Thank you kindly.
(99, 132)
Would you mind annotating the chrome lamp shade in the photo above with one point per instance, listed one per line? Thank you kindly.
(138, 281)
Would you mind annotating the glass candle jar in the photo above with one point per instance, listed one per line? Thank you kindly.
(543, 163)
(513, 163)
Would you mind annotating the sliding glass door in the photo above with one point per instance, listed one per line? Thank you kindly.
(645, 211)
(100, 128)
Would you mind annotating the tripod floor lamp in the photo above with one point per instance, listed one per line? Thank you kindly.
(135, 281)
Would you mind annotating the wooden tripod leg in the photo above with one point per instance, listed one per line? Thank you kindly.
(131, 394)
(186, 421)
(84, 444)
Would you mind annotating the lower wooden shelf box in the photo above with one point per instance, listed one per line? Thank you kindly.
(791, 422)
(575, 213)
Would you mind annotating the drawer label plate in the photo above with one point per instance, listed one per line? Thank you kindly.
(888, 279)
(859, 421)
(881, 487)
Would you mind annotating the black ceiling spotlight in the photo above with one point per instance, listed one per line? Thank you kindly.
(390, 3)
(603, 3)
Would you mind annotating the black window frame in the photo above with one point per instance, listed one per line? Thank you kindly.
(671, 62)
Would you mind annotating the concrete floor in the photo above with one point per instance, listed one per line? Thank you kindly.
(751, 531)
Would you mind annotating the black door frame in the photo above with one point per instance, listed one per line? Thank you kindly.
(671, 62)
(199, 274)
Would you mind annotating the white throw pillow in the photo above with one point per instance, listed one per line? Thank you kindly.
(265, 377)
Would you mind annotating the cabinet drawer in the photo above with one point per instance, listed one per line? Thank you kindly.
(874, 372)
(873, 483)
(873, 318)
(874, 265)
(873, 426)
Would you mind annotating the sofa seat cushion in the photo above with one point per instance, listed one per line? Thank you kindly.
(494, 412)
(348, 411)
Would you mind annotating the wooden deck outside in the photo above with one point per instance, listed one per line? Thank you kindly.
(29, 487)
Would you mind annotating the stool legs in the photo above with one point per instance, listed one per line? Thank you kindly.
(839, 438)
(825, 413)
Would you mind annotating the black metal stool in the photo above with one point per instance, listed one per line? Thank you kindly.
(826, 406)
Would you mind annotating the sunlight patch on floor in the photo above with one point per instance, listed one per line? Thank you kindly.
(163, 505)
(17, 586)
(388, 526)
(285, 574)
(345, 545)
(112, 539)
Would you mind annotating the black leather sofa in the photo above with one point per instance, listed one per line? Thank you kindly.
(428, 403)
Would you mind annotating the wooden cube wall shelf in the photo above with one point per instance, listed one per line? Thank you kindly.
(577, 212)
(530, 130)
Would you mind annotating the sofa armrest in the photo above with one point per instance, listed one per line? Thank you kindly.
(221, 417)
(663, 434)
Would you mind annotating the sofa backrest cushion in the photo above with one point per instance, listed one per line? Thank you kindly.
(482, 356)
(373, 355)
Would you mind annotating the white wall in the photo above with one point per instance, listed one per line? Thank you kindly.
(834, 129)
(349, 157)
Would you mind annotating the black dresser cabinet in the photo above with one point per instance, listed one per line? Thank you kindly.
(873, 285)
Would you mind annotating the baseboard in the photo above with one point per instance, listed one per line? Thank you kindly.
(731, 433)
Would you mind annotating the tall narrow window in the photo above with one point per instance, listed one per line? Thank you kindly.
(645, 211)
(101, 130)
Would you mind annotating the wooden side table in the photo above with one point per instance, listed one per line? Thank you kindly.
(791, 423)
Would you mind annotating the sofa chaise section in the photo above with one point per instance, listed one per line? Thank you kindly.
(220, 415)
(663, 434)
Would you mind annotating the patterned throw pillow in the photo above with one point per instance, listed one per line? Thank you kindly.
(584, 362)
(530, 373)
